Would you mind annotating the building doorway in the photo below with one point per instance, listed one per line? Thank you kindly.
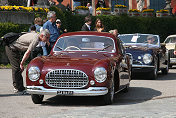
(83, 2)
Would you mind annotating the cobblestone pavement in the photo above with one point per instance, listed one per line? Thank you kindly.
(145, 99)
(160, 108)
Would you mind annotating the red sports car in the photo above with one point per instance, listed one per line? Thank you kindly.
(80, 64)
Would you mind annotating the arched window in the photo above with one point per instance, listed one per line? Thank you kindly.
(83, 2)
(157, 4)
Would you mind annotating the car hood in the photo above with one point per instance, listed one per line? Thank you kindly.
(170, 46)
(73, 60)
(139, 51)
(140, 46)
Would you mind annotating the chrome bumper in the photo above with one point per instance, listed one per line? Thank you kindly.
(142, 66)
(91, 91)
(173, 60)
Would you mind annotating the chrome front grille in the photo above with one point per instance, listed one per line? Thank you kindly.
(133, 60)
(171, 53)
(66, 78)
(137, 62)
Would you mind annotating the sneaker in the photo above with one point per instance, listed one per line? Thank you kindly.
(15, 90)
(24, 92)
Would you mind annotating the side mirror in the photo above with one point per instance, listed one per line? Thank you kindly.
(162, 44)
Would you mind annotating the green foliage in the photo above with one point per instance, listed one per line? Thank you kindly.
(10, 27)
(148, 25)
(125, 24)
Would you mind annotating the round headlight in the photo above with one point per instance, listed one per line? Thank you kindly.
(100, 74)
(147, 58)
(34, 73)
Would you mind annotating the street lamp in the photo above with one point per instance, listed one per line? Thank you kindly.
(168, 7)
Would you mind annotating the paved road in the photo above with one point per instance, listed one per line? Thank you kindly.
(146, 99)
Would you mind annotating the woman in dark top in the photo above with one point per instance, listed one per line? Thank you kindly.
(99, 27)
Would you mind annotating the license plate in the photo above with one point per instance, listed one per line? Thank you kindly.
(64, 92)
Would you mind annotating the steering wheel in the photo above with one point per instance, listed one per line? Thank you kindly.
(72, 47)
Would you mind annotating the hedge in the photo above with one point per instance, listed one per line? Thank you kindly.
(162, 26)
(125, 24)
(10, 27)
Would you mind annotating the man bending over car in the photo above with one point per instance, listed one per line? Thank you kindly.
(26, 42)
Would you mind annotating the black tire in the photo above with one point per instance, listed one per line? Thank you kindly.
(109, 97)
(126, 89)
(37, 99)
(170, 66)
(154, 73)
(165, 70)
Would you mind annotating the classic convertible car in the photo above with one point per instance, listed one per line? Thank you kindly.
(170, 43)
(80, 64)
(147, 54)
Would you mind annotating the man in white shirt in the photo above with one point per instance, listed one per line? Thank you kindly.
(140, 4)
(90, 8)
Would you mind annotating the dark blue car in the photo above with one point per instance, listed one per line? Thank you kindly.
(147, 54)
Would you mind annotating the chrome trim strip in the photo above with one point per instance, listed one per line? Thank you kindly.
(91, 91)
(172, 60)
(143, 66)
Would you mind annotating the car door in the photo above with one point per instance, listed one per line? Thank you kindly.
(123, 66)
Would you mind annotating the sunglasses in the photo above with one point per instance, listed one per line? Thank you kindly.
(58, 22)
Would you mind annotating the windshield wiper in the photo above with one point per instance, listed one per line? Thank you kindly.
(59, 47)
(105, 48)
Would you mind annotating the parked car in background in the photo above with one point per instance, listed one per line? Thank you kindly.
(80, 64)
(148, 55)
(170, 43)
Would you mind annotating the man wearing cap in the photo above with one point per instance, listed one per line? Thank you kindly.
(58, 23)
(150, 40)
(51, 26)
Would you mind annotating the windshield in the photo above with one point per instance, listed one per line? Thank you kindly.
(133, 39)
(85, 43)
(171, 40)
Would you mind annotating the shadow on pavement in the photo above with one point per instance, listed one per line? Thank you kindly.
(11, 95)
(134, 96)
(169, 76)
(72, 101)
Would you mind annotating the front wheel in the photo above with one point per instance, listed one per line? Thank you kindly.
(126, 89)
(37, 99)
(170, 66)
(109, 97)
(165, 70)
(154, 73)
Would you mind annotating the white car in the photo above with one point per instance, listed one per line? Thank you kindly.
(170, 43)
